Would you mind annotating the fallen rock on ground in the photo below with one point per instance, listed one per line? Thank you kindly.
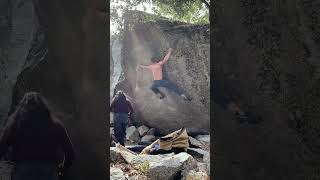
(143, 130)
(113, 154)
(203, 138)
(197, 152)
(133, 158)
(132, 134)
(151, 131)
(160, 167)
(195, 142)
(203, 167)
(169, 167)
(130, 173)
(116, 174)
(148, 138)
(196, 175)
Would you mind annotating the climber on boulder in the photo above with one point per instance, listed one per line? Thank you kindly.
(229, 103)
(122, 111)
(158, 81)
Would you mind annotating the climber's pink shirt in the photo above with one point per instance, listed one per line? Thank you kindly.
(156, 68)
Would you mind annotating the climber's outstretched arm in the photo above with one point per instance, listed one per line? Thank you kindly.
(143, 66)
(166, 58)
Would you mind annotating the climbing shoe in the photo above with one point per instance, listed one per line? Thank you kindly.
(160, 95)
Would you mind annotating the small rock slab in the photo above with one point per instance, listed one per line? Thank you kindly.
(115, 155)
(143, 130)
(151, 131)
(197, 152)
(116, 174)
(203, 167)
(196, 175)
(168, 167)
(195, 142)
(132, 134)
(203, 138)
(148, 138)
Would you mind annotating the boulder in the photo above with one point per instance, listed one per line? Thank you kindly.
(168, 167)
(148, 138)
(203, 138)
(203, 167)
(116, 174)
(143, 130)
(132, 134)
(188, 68)
(135, 159)
(196, 175)
(162, 166)
(195, 142)
(114, 155)
(198, 153)
(151, 131)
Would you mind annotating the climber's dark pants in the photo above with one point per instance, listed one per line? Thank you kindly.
(218, 96)
(166, 84)
(120, 121)
(35, 171)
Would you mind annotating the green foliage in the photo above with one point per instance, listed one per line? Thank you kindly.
(190, 11)
(143, 167)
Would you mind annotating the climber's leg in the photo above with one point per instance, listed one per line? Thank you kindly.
(155, 88)
(174, 88)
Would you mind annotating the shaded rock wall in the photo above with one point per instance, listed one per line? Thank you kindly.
(188, 67)
(71, 75)
(267, 54)
(18, 26)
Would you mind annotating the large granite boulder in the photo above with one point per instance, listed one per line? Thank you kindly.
(266, 54)
(188, 67)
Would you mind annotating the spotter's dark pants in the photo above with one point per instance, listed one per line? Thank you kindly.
(120, 124)
(35, 171)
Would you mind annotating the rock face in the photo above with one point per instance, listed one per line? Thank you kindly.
(268, 58)
(18, 30)
(71, 75)
(188, 67)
